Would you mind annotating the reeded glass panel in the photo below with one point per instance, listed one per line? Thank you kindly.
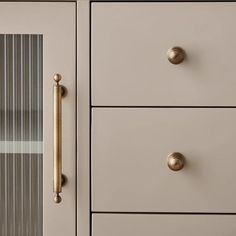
(21, 134)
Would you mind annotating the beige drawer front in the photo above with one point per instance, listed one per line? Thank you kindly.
(166, 225)
(129, 61)
(129, 160)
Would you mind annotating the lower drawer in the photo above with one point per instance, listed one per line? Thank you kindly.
(130, 172)
(166, 225)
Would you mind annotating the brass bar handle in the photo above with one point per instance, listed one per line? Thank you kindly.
(57, 147)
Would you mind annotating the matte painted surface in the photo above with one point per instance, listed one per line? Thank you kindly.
(167, 225)
(83, 120)
(129, 61)
(129, 160)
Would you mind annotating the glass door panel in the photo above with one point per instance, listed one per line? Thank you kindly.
(21, 134)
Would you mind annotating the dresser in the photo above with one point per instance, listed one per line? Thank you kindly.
(162, 118)
(117, 118)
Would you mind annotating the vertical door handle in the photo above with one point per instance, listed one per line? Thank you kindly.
(58, 178)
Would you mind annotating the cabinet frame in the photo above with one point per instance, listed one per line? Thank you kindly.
(85, 26)
(83, 117)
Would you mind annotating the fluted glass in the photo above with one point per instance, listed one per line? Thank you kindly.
(21, 134)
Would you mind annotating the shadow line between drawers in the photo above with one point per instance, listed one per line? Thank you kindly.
(155, 1)
(163, 107)
(163, 213)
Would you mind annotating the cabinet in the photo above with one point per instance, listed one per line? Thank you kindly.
(145, 132)
(163, 108)
(37, 39)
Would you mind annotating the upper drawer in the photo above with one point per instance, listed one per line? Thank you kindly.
(129, 54)
(129, 160)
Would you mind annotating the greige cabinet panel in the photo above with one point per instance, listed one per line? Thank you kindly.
(129, 54)
(167, 225)
(37, 39)
(129, 160)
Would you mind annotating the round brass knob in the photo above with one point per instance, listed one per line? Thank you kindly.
(176, 55)
(176, 161)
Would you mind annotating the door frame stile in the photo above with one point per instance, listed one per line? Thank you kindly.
(83, 119)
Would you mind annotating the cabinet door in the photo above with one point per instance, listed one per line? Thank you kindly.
(36, 41)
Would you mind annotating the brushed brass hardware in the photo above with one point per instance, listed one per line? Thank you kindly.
(176, 55)
(176, 161)
(58, 178)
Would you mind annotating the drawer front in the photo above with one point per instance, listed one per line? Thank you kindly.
(167, 225)
(129, 54)
(129, 160)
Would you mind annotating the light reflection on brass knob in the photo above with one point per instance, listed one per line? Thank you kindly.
(176, 55)
(176, 161)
